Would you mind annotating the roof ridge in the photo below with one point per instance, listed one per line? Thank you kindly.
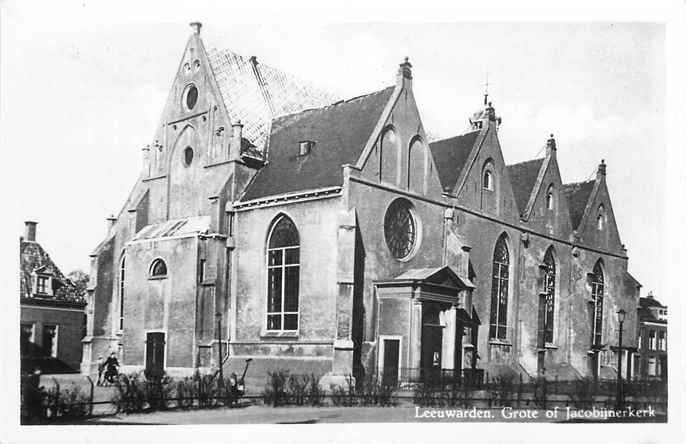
(571, 184)
(331, 105)
(538, 159)
(454, 137)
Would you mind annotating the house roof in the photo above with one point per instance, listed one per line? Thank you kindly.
(523, 177)
(340, 133)
(255, 93)
(648, 302)
(577, 198)
(450, 156)
(34, 259)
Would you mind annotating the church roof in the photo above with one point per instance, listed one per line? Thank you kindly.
(339, 132)
(577, 197)
(450, 155)
(175, 228)
(255, 93)
(523, 177)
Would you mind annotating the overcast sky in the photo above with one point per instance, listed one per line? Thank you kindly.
(86, 92)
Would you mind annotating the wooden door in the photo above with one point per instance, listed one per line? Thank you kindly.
(154, 356)
(391, 358)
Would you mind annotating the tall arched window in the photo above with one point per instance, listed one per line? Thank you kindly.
(416, 167)
(388, 157)
(283, 275)
(549, 289)
(597, 294)
(550, 198)
(122, 268)
(600, 220)
(499, 290)
(488, 180)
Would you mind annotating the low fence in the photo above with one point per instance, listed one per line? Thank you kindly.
(134, 393)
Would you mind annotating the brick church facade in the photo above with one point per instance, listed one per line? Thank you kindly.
(334, 238)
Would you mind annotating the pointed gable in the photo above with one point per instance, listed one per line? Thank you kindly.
(339, 132)
(450, 156)
(577, 195)
(523, 178)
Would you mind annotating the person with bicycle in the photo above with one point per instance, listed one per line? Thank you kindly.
(112, 368)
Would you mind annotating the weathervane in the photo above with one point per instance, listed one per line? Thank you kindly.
(486, 85)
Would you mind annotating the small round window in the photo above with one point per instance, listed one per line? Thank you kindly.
(191, 97)
(188, 155)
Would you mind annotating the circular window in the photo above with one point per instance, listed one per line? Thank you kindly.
(191, 96)
(188, 155)
(400, 228)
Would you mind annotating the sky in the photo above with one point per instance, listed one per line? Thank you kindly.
(83, 92)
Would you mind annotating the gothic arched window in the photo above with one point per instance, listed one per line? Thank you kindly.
(499, 290)
(122, 268)
(416, 167)
(388, 157)
(488, 181)
(597, 294)
(283, 275)
(549, 289)
(158, 269)
(600, 221)
(550, 198)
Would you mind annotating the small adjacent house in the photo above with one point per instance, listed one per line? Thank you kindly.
(650, 362)
(53, 319)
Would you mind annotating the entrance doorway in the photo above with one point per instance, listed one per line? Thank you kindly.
(154, 354)
(432, 343)
(391, 361)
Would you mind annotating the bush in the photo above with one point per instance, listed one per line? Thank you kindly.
(39, 404)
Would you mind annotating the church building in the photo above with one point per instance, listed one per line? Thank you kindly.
(272, 222)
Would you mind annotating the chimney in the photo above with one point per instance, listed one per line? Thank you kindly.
(30, 231)
(650, 295)
(236, 139)
(195, 26)
(602, 170)
(405, 74)
(550, 147)
(110, 222)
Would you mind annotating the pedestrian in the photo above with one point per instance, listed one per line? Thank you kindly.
(101, 369)
(111, 365)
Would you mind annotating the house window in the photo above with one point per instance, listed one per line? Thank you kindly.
(283, 276)
(549, 289)
(488, 180)
(652, 366)
(26, 338)
(41, 284)
(499, 289)
(158, 269)
(50, 340)
(661, 341)
(597, 294)
(651, 340)
(122, 268)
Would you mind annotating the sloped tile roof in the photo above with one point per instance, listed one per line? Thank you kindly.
(650, 302)
(523, 177)
(340, 133)
(450, 155)
(255, 93)
(577, 197)
(33, 258)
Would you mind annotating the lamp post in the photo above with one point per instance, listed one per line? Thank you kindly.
(621, 315)
(218, 315)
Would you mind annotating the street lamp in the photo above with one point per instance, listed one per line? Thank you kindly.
(621, 315)
(218, 315)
